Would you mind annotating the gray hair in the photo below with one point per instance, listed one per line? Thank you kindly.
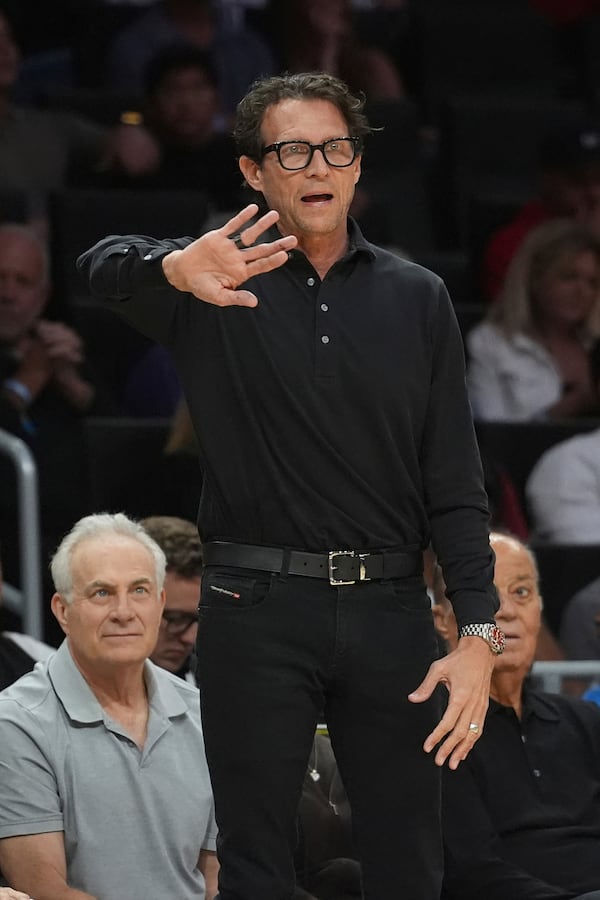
(97, 526)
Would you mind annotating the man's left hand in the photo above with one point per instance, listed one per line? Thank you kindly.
(466, 673)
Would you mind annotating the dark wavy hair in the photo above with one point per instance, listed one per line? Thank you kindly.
(266, 92)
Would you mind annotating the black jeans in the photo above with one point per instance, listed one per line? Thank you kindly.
(274, 654)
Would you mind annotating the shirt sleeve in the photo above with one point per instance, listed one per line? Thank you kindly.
(126, 271)
(454, 491)
(29, 798)
(562, 493)
(210, 838)
(474, 865)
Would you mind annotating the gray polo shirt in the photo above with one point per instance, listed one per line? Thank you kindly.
(134, 821)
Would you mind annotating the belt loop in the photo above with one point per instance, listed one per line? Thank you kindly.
(285, 563)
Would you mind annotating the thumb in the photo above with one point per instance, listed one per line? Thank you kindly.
(242, 298)
(425, 689)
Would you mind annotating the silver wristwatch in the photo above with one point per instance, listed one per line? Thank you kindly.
(491, 634)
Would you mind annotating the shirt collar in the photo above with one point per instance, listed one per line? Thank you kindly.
(80, 703)
(357, 244)
(535, 703)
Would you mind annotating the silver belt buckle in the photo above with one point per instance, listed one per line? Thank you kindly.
(362, 573)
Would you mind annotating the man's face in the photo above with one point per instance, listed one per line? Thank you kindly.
(179, 624)
(185, 105)
(116, 607)
(311, 202)
(23, 288)
(520, 612)
(9, 56)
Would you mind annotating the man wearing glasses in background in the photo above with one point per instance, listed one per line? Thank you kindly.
(179, 541)
(336, 442)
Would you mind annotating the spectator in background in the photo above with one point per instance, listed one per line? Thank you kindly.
(563, 489)
(106, 791)
(568, 185)
(521, 815)
(530, 358)
(45, 391)
(239, 56)
(179, 541)
(580, 623)
(181, 107)
(313, 36)
(39, 149)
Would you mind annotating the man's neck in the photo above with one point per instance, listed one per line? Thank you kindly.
(122, 694)
(507, 689)
(323, 251)
(114, 685)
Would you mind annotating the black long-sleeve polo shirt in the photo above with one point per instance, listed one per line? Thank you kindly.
(332, 416)
(521, 815)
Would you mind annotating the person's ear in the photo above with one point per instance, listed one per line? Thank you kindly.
(59, 607)
(252, 172)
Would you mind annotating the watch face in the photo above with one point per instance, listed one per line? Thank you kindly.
(497, 639)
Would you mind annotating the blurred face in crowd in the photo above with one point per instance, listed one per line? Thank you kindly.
(184, 106)
(9, 55)
(565, 293)
(179, 623)
(113, 614)
(313, 201)
(329, 19)
(23, 284)
(520, 612)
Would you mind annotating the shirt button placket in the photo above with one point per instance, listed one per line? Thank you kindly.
(324, 354)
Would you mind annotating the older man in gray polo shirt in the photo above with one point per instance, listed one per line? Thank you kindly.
(101, 795)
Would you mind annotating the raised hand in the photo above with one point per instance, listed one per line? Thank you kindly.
(213, 267)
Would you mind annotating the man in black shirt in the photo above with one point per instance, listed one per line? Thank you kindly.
(522, 816)
(336, 441)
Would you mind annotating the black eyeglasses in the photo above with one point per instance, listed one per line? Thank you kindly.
(178, 622)
(293, 155)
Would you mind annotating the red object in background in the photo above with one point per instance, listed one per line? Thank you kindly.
(563, 12)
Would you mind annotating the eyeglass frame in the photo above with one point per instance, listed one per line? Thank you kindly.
(276, 148)
(190, 618)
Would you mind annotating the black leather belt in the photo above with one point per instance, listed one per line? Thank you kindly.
(338, 566)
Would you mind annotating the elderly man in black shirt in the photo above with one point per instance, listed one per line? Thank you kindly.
(336, 441)
(522, 816)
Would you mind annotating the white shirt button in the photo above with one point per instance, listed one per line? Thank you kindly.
(537, 773)
(324, 307)
(324, 339)
(310, 281)
(148, 256)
